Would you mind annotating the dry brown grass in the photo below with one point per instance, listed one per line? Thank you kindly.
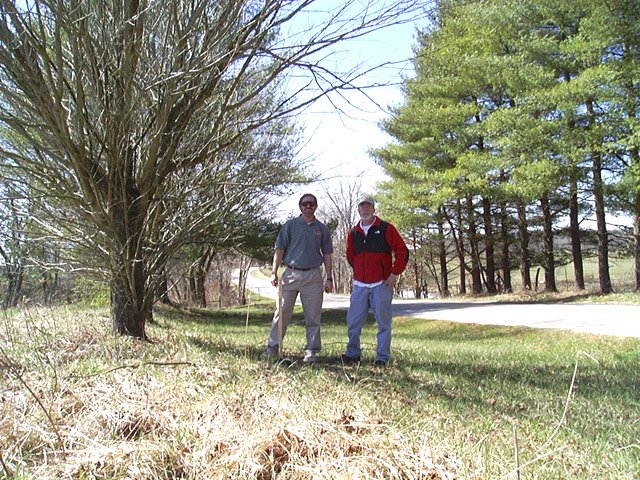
(77, 403)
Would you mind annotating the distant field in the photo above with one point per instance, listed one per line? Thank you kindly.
(621, 271)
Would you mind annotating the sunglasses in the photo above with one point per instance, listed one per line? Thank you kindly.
(307, 204)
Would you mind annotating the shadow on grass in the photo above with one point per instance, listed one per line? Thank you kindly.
(465, 385)
(202, 316)
(488, 378)
(261, 313)
(215, 347)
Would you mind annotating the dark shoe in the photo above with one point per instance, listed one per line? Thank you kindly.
(380, 363)
(347, 360)
(269, 353)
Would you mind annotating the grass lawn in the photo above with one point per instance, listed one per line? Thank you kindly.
(457, 401)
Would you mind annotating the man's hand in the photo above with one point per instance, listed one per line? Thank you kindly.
(391, 280)
(328, 285)
(274, 279)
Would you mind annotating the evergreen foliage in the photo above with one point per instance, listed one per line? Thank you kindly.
(522, 118)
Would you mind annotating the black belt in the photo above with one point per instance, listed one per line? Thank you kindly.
(303, 269)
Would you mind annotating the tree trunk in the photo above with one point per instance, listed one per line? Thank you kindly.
(576, 248)
(198, 293)
(415, 266)
(243, 273)
(633, 112)
(505, 259)
(635, 159)
(476, 279)
(525, 257)
(549, 261)
(574, 225)
(201, 293)
(192, 286)
(129, 310)
(131, 299)
(442, 254)
(15, 276)
(14, 272)
(489, 247)
(460, 248)
(636, 237)
(198, 273)
(601, 226)
(162, 292)
(417, 285)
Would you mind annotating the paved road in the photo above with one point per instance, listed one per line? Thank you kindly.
(617, 320)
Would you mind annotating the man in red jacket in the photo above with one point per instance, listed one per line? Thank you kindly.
(378, 254)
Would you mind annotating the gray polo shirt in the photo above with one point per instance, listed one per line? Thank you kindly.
(304, 244)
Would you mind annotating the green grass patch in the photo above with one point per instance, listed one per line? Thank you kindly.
(456, 401)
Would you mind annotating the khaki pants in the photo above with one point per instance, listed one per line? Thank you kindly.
(307, 283)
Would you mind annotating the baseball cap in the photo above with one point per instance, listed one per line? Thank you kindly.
(366, 199)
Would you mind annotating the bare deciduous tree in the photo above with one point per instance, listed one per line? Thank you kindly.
(343, 207)
(141, 117)
(12, 247)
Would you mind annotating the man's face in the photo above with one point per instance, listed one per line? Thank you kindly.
(366, 211)
(308, 205)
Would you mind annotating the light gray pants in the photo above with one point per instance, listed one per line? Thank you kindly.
(308, 283)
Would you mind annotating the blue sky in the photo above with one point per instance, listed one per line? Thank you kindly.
(339, 132)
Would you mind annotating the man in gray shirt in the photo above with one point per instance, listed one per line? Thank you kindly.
(303, 245)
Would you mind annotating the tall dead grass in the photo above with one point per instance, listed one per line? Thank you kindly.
(78, 403)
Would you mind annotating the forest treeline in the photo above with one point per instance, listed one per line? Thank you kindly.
(142, 148)
(140, 136)
(519, 127)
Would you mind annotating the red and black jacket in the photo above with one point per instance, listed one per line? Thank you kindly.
(378, 254)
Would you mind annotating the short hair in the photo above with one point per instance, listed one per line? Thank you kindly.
(308, 195)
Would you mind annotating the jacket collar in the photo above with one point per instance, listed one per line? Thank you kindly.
(376, 222)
